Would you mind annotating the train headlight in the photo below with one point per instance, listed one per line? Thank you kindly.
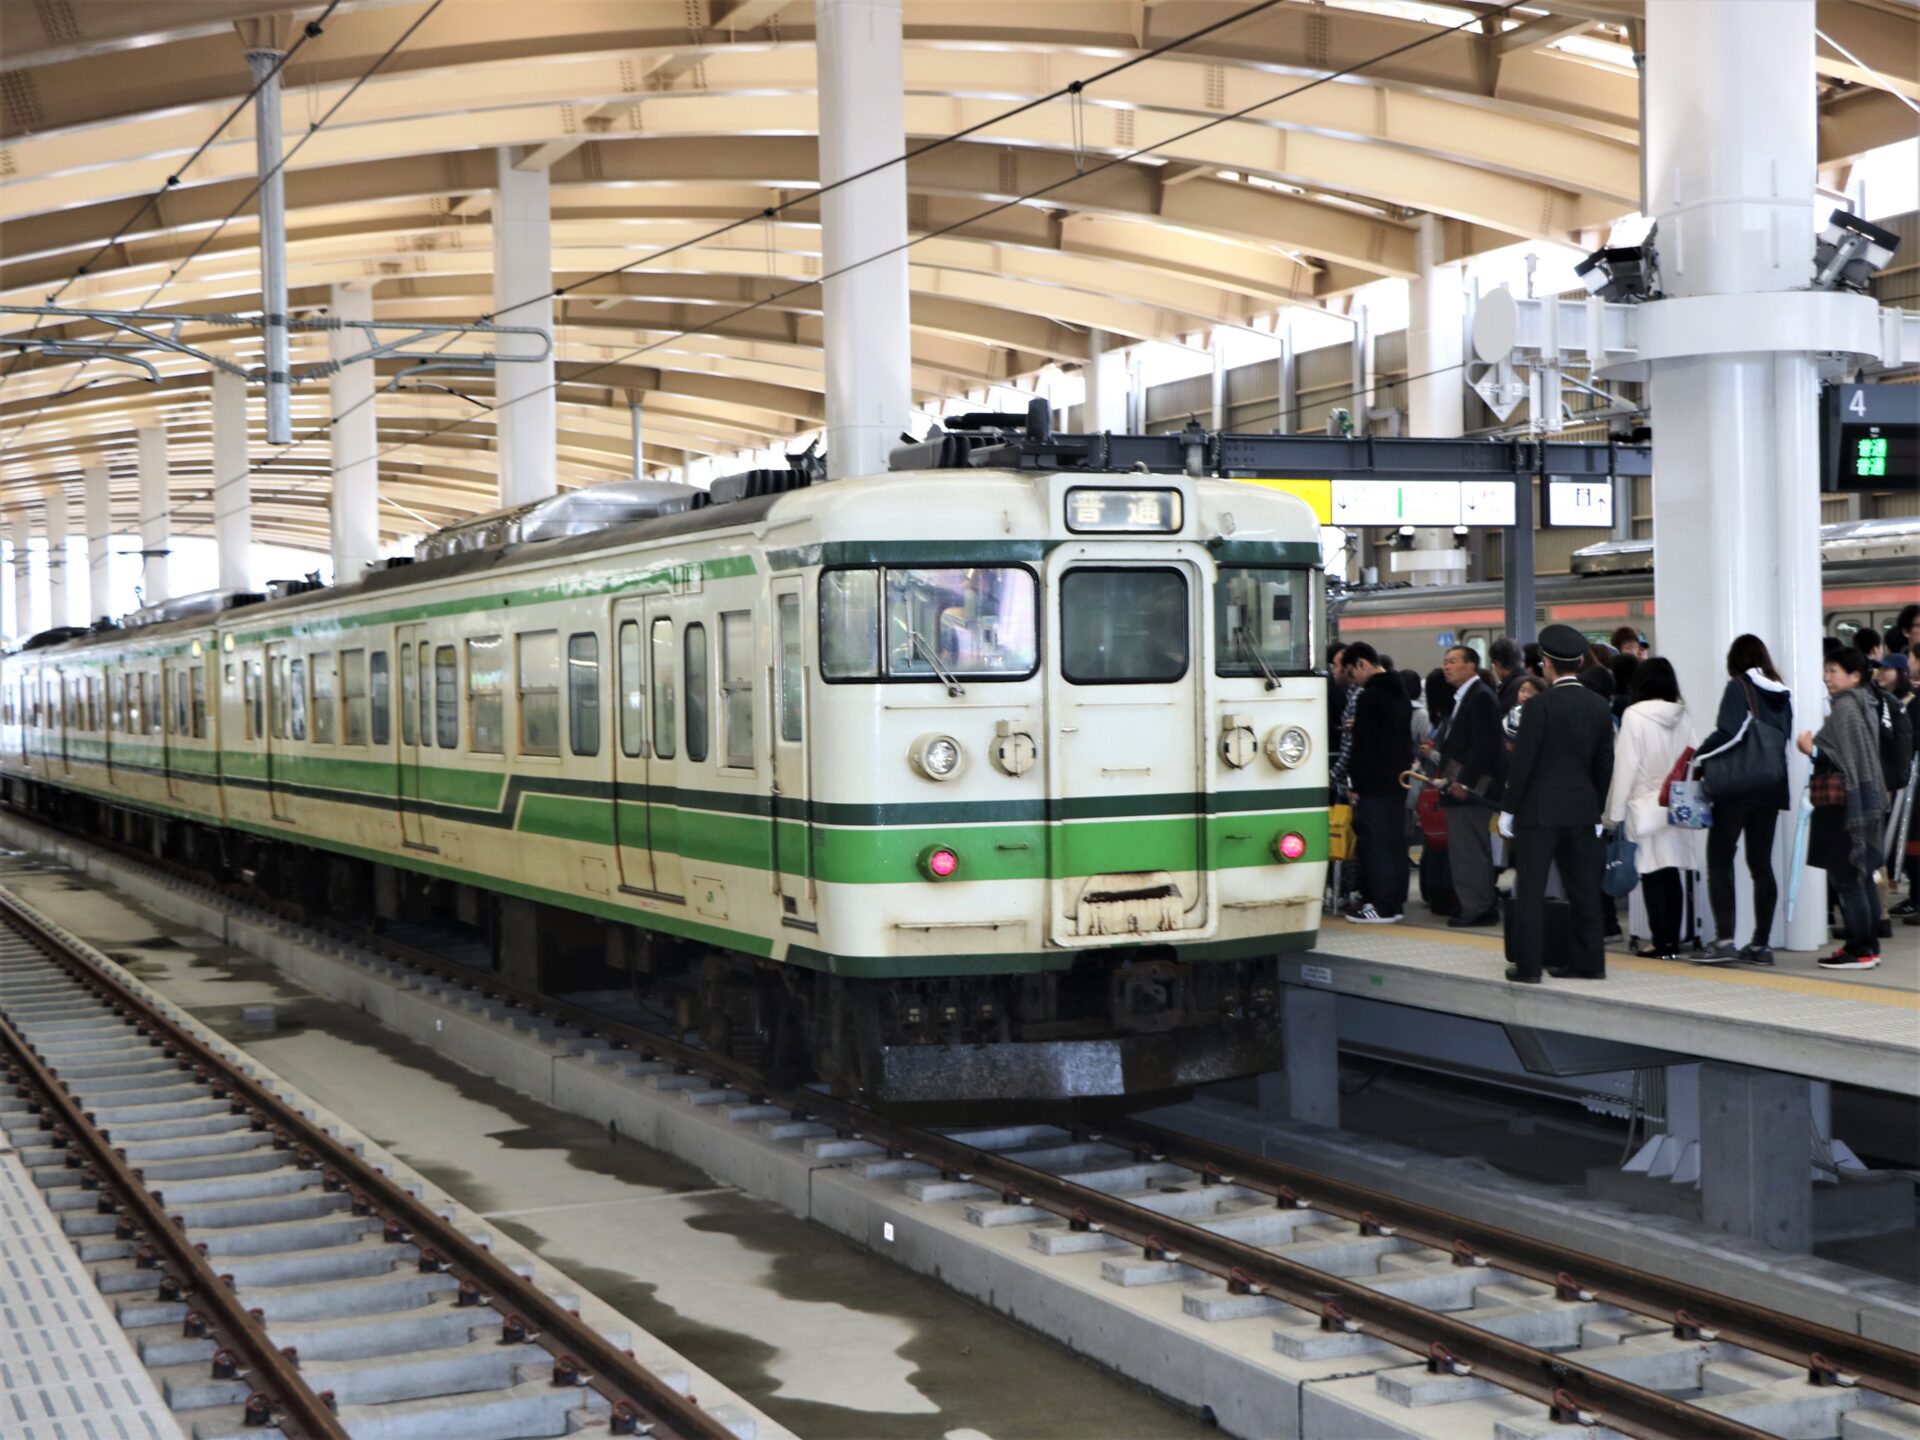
(1288, 747)
(938, 757)
(938, 862)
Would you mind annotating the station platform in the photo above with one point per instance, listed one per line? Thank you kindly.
(1861, 1030)
(67, 1369)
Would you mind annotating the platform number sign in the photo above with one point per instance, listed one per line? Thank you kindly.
(1871, 437)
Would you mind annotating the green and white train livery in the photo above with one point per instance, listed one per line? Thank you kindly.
(937, 784)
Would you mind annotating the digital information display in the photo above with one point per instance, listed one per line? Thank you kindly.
(1879, 457)
(1123, 512)
(1587, 504)
(1870, 437)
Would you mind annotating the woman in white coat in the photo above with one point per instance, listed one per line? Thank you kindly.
(1654, 731)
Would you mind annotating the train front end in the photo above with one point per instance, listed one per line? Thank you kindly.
(1077, 762)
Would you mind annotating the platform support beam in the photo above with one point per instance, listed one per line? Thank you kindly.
(156, 513)
(232, 483)
(1308, 1088)
(354, 506)
(97, 508)
(1731, 163)
(1755, 1179)
(525, 412)
(58, 605)
(1436, 390)
(866, 321)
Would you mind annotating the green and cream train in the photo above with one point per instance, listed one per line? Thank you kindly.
(991, 782)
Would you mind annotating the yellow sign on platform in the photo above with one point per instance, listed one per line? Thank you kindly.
(1317, 493)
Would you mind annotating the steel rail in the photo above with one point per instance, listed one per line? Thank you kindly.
(643, 1403)
(1537, 1373)
(303, 1415)
(1877, 1366)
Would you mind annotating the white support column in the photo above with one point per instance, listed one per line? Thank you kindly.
(97, 507)
(272, 202)
(866, 322)
(18, 597)
(1217, 352)
(354, 507)
(1105, 407)
(636, 424)
(232, 485)
(526, 420)
(156, 514)
(1730, 154)
(58, 604)
(1436, 403)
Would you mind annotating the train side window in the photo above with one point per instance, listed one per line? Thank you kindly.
(157, 714)
(793, 672)
(250, 728)
(380, 697)
(409, 698)
(695, 644)
(736, 687)
(136, 702)
(258, 710)
(665, 689)
(583, 693)
(446, 698)
(282, 703)
(486, 703)
(323, 715)
(197, 678)
(353, 697)
(297, 700)
(429, 698)
(540, 692)
(633, 692)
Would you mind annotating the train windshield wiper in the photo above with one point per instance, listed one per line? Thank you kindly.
(1243, 637)
(954, 687)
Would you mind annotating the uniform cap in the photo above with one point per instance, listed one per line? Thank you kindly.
(1563, 643)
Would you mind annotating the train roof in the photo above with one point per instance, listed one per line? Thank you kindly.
(1887, 538)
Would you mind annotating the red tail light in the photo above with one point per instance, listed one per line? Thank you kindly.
(937, 862)
(1290, 846)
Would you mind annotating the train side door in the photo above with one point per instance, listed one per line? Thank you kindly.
(173, 698)
(66, 685)
(279, 708)
(646, 759)
(792, 782)
(414, 733)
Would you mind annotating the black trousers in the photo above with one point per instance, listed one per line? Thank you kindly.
(1582, 860)
(1730, 826)
(1383, 850)
(1666, 908)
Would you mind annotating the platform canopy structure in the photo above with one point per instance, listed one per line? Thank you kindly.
(439, 153)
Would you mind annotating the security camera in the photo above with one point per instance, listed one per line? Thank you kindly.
(1850, 252)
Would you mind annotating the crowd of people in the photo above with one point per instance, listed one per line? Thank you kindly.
(1579, 767)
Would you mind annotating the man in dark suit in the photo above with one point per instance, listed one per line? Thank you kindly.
(1473, 762)
(1556, 791)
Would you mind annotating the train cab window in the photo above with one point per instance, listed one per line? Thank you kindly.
(353, 697)
(323, 715)
(583, 693)
(197, 707)
(666, 689)
(978, 622)
(1123, 625)
(380, 697)
(633, 692)
(446, 699)
(793, 671)
(850, 624)
(540, 692)
(297, 700)
(409, 698)
(695, 644)
(486, 702)
(1265, 621)
(736, 686)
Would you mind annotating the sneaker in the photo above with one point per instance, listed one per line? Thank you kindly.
(1367, 915)
(1720, 952)
(1845, 959)
(1473, 922)
(1904, 908)
(1757, 954)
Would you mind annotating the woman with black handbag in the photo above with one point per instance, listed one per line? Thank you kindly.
(1745, 764)
(1850, 805)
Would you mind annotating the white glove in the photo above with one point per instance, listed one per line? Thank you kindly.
(1598, 830)
(1506, 824)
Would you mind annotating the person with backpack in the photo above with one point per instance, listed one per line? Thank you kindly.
(1756, 712)
(1850, 806)
(1654, 733)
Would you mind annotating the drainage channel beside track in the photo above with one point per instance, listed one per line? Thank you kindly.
(1405, 1319)
(272, 1277)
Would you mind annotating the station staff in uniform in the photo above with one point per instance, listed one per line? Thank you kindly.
(1556, 790)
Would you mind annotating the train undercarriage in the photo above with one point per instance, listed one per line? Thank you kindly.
(1117, 1022)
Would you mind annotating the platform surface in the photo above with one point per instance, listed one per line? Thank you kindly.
(1863, 1029)
(67, 1369)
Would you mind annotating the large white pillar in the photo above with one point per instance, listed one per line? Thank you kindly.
(232, 485)
(525, 431)
(636, 424)
(1217, 391)
(354, 506)
(1436, 403)
(156, 513)
(1730, 154)
(1105, 407)
(18, 598)
(58, 604)
(97, 507)
(866, 324)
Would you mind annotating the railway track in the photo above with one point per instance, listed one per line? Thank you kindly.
(272, 1278)
(1465, 1299)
